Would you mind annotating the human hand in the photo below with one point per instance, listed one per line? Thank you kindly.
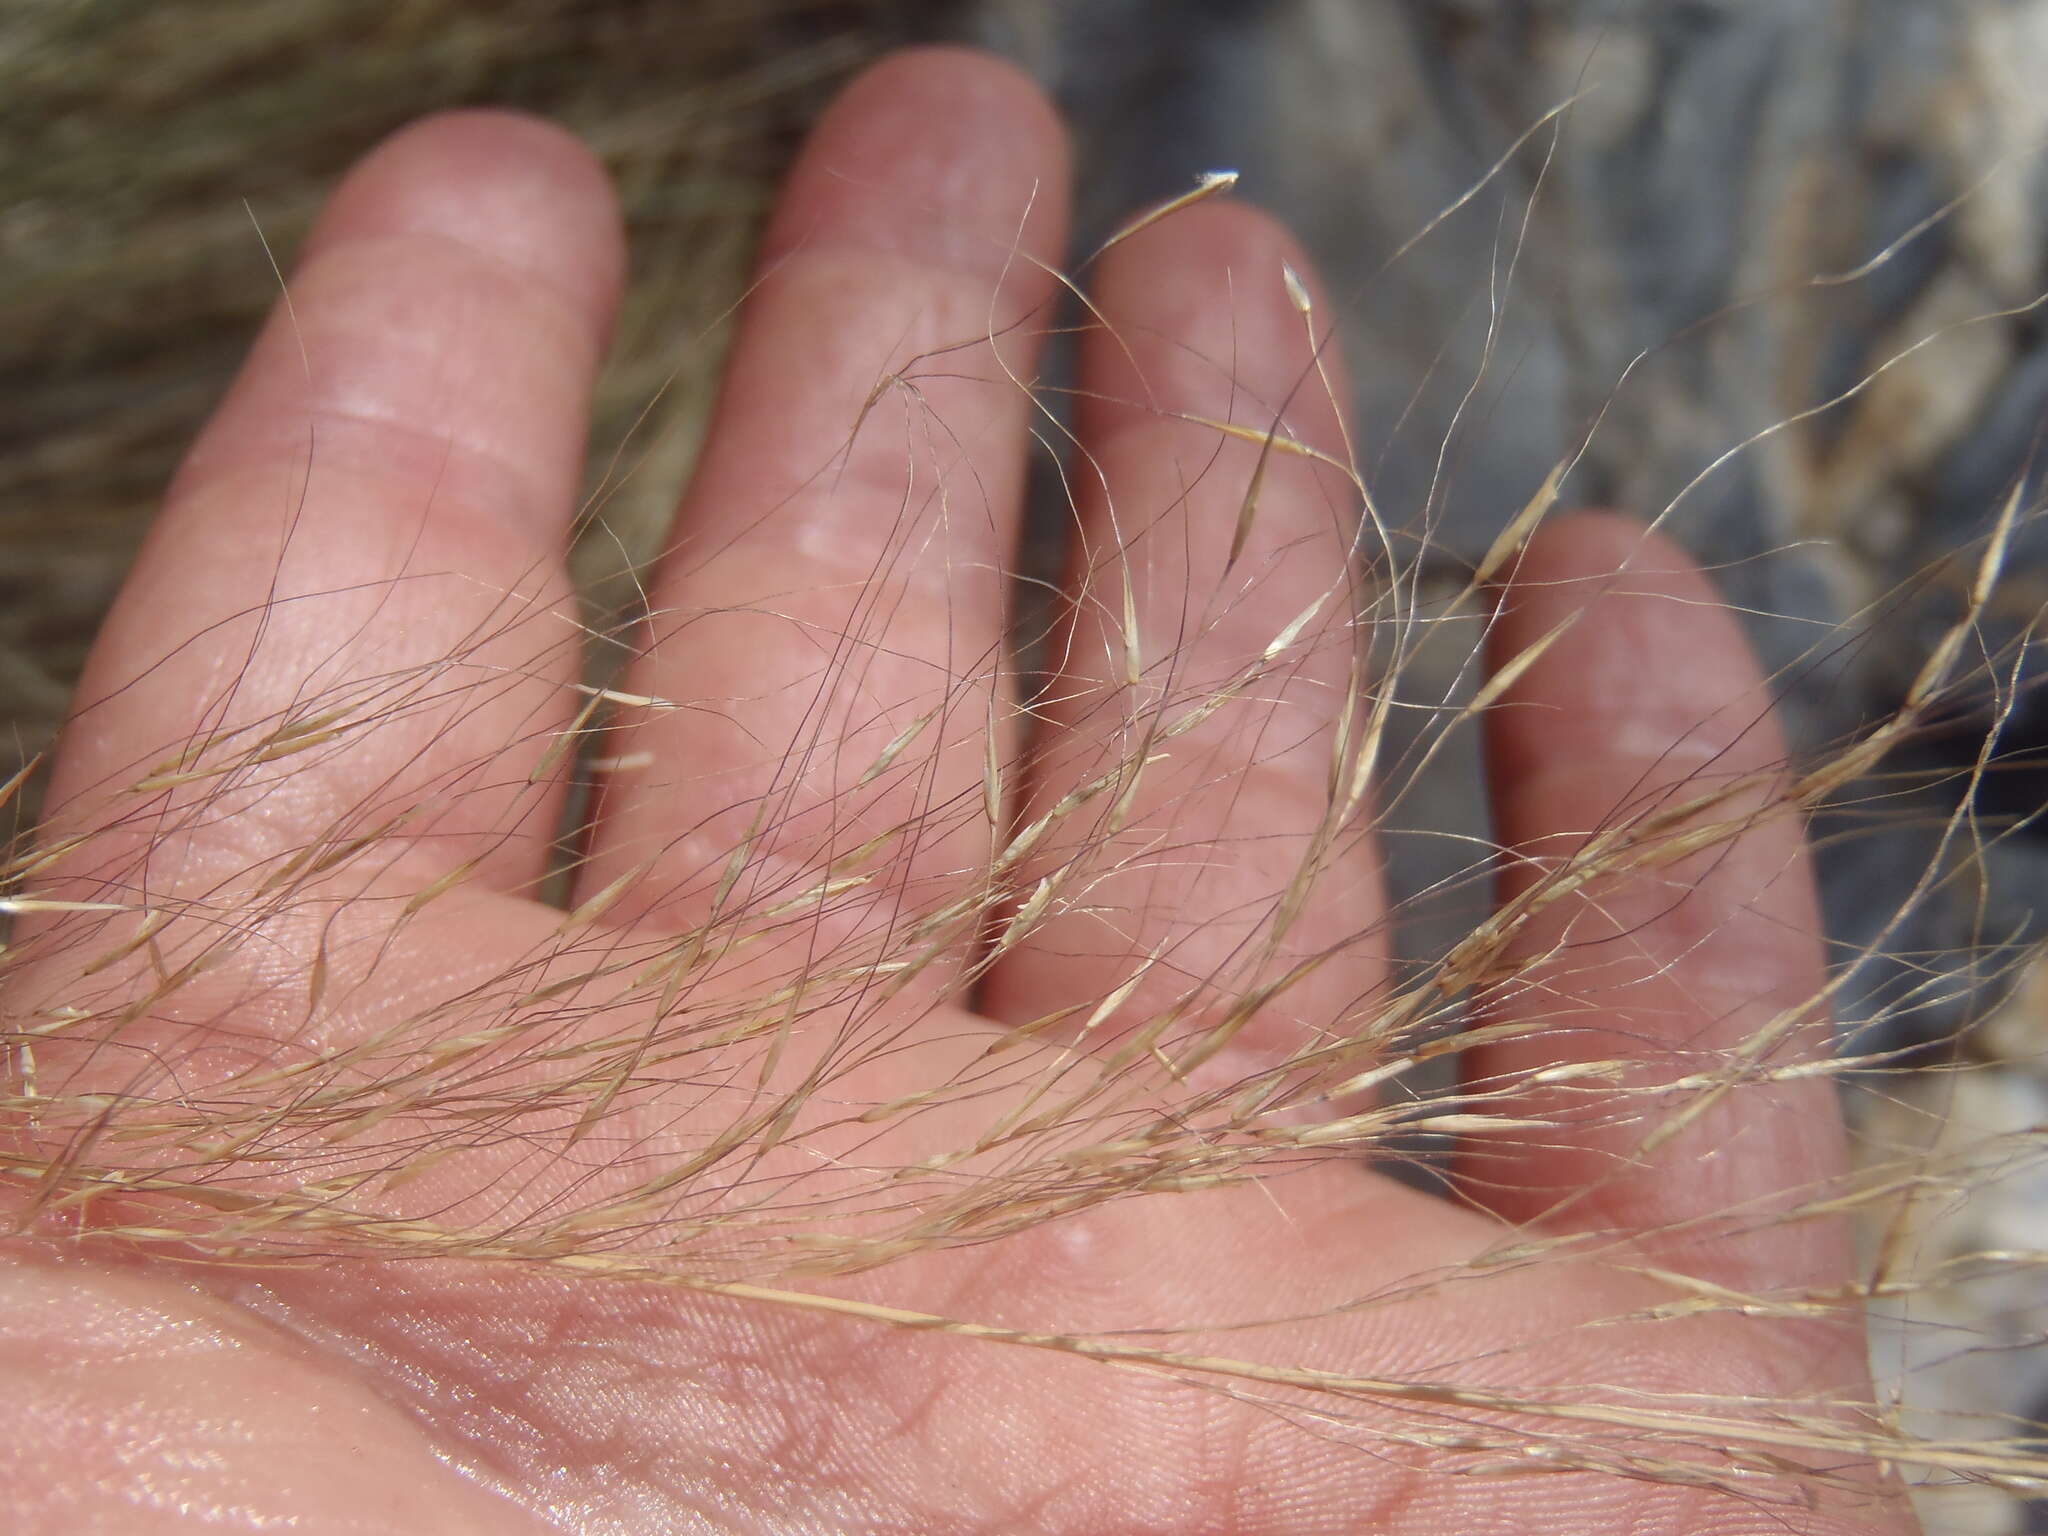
(793, 1179)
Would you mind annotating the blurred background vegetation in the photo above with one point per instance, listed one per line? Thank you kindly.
(133, 134)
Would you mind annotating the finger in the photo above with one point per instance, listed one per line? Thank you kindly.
(1675, 968)
(352, 608)
(1210, 857)
(828, 619)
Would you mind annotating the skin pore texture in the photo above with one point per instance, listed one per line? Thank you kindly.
(446, 319)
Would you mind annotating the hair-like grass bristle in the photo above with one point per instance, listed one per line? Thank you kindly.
(569, 1077)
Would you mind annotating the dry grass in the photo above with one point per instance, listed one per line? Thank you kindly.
(630, 1101)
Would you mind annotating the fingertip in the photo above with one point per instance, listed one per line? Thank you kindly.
(1182, 262)
(1205, 315)
(1643, 658)
(462, 280)
(964, 71)
(946, 155)
(1597, 543)
(526, 193)
(1221, 228)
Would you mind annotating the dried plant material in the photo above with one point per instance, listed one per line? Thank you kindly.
(1207, 185)
(736, 1071)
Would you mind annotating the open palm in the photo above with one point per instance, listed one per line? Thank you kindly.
(906, 1230)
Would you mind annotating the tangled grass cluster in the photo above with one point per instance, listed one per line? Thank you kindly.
(223, 1052)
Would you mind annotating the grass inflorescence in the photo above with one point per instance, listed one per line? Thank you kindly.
(737, 1065)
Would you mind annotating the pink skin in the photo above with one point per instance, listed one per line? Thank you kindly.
(453, 303)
